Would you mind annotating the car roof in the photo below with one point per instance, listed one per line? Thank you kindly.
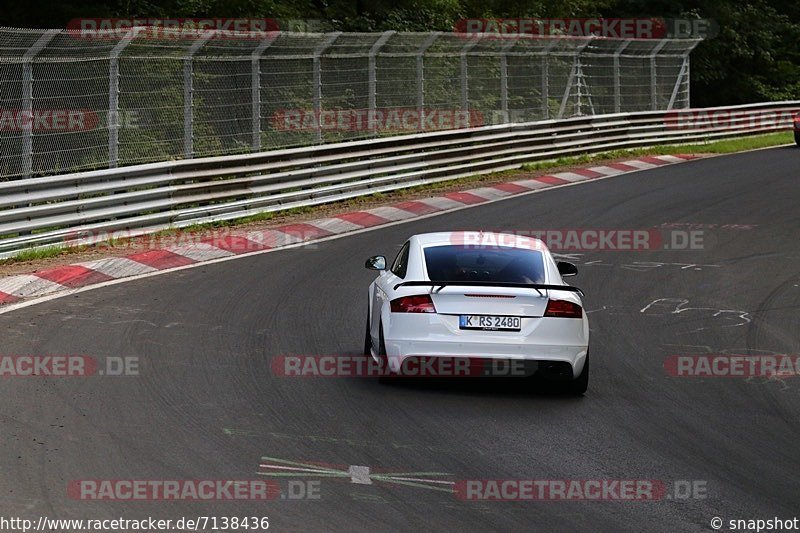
(478, 238)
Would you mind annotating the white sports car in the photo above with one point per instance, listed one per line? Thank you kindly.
(475, 295)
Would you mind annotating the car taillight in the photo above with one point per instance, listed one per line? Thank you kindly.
(563, 309)
(797, 122)
(413, 304)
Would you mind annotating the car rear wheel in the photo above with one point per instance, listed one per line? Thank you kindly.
(387, 375)
(579, 385)
(797, 137)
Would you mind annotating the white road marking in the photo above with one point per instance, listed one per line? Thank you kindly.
(27, 285)
(200, 251)
(117, 267)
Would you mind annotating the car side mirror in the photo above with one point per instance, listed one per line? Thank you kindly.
(567, 269)
(376, 262)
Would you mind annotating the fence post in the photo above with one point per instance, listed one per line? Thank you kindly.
(255, 88)
(617, 84)
(188, 96)
(113, 97)
(465, 71)
(653, 78)
(576, 70)
(545, 88)
(504, 80)
(421, 75)
(317, 79)
(27, 97)
(688, 82)
(372, 103)
(678, 82)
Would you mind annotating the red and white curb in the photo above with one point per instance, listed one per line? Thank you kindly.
(227, 244)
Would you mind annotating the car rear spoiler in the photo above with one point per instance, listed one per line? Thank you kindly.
(538, 287)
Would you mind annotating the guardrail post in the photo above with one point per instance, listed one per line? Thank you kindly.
(465, 71)
(372, 103)
(421, 74)
(617, 84)
(317, 79)
(113, 97)
(27, 97)
(653, 77)
(188, 96)
(255, 88)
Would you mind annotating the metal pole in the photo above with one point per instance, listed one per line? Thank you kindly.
(421, 75)
(653, 78)
(465, 71)
(617, 83)
(113, 97)
(688, 82)
(317, 79)
(504, 80)
(373, 78)
(188, 97)
(255, 88)
(571, 80)
(27, 97)
(687, 60)
(545, 88)
(678, 82)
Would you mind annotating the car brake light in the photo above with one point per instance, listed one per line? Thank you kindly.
(563, 309)
(413, 304)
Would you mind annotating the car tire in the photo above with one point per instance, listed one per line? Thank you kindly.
(579, 385)
(797, 138)
(367, 339)
(387, 375)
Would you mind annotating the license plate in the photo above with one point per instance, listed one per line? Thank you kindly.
(491, 323)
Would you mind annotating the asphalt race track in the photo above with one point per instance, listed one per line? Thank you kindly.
(207, 405)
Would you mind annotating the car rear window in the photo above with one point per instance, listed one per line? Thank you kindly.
(493, 263)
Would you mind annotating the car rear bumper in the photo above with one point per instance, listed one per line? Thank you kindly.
(399, 352)
(560, 340)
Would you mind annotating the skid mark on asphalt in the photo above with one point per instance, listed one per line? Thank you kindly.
(676, 306)
(635, 266)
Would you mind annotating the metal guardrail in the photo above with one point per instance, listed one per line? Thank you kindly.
(75, 208)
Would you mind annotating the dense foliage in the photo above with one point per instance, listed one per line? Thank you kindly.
(754, 57)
